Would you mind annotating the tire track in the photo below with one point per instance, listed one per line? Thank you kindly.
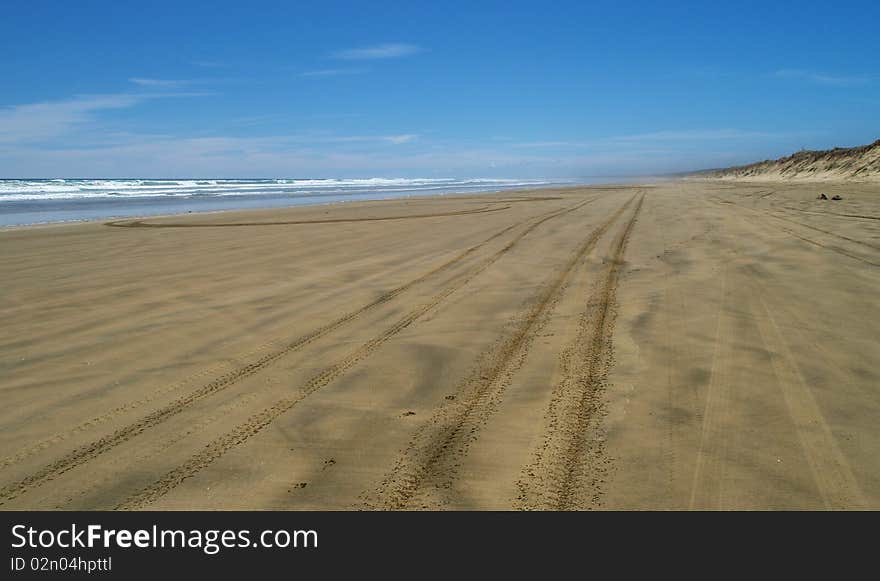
(791, 232)
(259, 421)
(142, 224)
(59, 437)
(775, 214)
(817, 347)
(828, 247)
(713, 410)
(569, 461)
(841, 236)
(832, 473)
(527, 199)
(95, 490)
(860, 216)
(94, 449)
(429, 464)
(768, 212)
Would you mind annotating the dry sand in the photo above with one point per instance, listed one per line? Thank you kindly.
(683, 345)
(841, 164)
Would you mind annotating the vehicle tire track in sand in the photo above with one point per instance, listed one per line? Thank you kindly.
(841, 251)
(818, 348)
(282, 347)
(831, 471)
(779, 215)
(429, 463)
(568, 467)
(707, 459)
(97, 486)
(828, 247)
(94, 449)
(527, 199)
(259, 421)
(142, 224)
(841, 236)
(860, 216)
(57, 438)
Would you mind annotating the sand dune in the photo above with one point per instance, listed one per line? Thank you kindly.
(841, 163)
(672, 346)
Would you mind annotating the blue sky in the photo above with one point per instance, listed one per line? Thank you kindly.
(439, 89)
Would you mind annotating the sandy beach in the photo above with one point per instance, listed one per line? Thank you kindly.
(682, 345)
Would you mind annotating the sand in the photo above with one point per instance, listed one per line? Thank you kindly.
(683, 345)
(852, 165)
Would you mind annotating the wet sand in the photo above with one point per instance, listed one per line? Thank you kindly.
(693, 344)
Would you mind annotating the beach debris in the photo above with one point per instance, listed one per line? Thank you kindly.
(822, 197)
(409, 413)
(836, 197)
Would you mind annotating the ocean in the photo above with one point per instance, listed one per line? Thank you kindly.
(32, 201)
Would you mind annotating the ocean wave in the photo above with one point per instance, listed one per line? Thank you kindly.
(85, 189)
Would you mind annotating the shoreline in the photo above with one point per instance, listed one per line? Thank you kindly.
(334, 203)
(83, 200)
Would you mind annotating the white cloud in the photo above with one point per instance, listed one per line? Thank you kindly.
(398, 139)
(42, 121)
(548, 144)
(38, 122)
(382, 51)
(333, 72)
(823, 78)
(208, 64)
(162, 83)
(653, 139)
(319, 156)
(317, 139)
(697, 135)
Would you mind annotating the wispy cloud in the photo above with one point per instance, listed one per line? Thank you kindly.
(398, 139)
(823, 78)
(333, 72)
(382, 51)
(159, 83)
(44, 121)
(166, 155)
(254, 120)
(208, 64)
(548, 144)
(697, 135)
(392, 139)
(47, 120)
(677, 137)
(221, 156)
